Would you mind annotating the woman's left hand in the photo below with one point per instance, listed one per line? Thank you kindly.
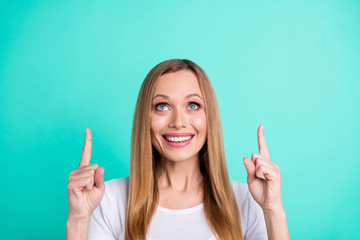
(264, 180)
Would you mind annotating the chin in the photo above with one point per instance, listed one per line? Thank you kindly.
(179, 157)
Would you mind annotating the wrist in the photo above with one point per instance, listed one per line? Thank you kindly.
(78, 217)
(77, 228)
(72, 221)
(275, 214)
(276, 225)
(273, 209)
(76, 225)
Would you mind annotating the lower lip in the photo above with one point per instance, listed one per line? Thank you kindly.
(179, 144)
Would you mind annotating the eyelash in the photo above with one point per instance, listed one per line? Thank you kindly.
(163, 103)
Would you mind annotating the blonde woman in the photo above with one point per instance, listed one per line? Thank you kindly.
(179, 186)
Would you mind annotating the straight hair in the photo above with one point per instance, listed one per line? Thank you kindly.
(221, 210)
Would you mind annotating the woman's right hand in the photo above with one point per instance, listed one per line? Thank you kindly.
(85, 185)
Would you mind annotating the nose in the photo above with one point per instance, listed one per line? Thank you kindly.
(177, 120)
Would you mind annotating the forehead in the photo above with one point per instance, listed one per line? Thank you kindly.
(179, 82)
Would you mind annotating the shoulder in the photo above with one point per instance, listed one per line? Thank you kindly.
(239, 187)
(108, 219)
(116, 194)
(252, 218)
(117, 186)
(242, 193)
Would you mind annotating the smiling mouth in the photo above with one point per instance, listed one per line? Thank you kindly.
(177, 139)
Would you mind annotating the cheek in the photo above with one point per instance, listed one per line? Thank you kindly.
(156, 124)
(200, 124)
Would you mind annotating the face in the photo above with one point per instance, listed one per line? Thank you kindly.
(178, 120)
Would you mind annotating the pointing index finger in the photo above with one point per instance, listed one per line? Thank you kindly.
(263, 149)
(86, 151)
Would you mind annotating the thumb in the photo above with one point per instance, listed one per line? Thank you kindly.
(99, 178)
(250, 169)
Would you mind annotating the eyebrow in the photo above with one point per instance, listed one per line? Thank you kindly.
(167, 97)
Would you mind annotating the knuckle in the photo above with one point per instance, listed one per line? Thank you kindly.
(279, 177)
(71, 178)
(259, 174)
(89, 168)
(91, 173)
(88, 173)
(253, 155)
(89, 182)
(70, 186)
(80, 169)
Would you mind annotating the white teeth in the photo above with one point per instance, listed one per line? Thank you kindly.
(178, 139)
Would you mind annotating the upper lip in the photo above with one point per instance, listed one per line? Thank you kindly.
(178, 134)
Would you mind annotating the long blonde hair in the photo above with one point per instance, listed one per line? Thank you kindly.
(220, 206)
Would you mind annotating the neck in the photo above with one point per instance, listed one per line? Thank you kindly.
(181, 176)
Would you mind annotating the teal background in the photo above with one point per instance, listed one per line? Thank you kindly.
(292, 66)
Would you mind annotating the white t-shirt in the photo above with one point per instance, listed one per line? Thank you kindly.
(108, 219)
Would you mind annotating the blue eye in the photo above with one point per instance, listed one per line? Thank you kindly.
(194, 104)
(161, 108)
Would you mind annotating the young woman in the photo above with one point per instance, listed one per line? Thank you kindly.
(179, 186)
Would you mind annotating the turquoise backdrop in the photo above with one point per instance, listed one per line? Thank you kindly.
(293, 66)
